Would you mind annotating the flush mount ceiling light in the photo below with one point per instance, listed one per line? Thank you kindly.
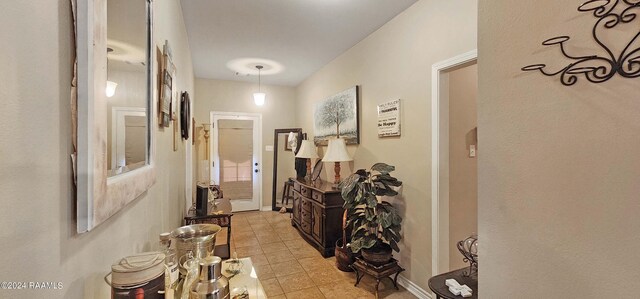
(259, 96)
(247, 66)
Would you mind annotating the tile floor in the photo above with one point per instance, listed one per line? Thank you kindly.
(288, 267)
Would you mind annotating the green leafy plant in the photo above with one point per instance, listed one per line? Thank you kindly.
(375, 223)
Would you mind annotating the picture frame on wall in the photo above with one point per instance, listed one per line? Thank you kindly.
(167, 75)
(165, 99)
(338, 116)
(287, 145)
(389, 119)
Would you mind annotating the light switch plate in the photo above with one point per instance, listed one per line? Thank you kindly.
(268, 148)
(472, 151)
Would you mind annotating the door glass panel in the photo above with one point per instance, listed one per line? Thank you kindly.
(235, 148)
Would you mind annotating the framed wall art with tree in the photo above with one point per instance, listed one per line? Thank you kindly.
(337, 116)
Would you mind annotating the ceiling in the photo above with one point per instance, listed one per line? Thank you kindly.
(292, 38)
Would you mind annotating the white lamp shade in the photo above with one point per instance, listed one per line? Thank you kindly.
(259, 97)
(337, 151)
(111, 88)
(307, 150)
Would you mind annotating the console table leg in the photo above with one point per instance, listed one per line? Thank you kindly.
(377, 284)
(358, 277)
(395, 280)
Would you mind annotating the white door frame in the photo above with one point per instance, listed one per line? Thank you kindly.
(257, 146)
(440, 159)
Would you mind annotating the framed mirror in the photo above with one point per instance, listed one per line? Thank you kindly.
(284, 150)
(115, 107)
(127, 89)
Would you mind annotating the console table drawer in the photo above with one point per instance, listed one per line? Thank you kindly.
(306, 227)
(304, 191)
(296, 186)
(317, 196)
(306, 204)
(305, 216)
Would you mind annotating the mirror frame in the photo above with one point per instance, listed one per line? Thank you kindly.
(275, 163)
(99, 196)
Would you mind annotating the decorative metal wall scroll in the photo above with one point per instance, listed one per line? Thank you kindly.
(597, 68)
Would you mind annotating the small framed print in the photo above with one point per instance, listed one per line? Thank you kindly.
(389, 119)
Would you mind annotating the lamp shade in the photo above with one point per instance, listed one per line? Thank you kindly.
(307, 150)
(111, 88)
(337, 151)
(259, 97)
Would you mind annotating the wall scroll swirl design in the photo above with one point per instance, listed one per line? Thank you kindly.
(600, 68)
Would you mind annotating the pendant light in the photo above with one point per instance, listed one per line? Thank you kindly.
(259, 97)
(111, 86)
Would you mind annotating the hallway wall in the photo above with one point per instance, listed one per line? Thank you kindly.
(395, 63)
(39, 239)
(559, 170)
(234, 96)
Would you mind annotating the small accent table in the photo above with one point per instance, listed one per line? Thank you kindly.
(438, 286)
(222, 219)
(378, 272)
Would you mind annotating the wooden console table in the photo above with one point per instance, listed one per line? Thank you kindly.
(317, 214)
(378, 272)
(438, 286)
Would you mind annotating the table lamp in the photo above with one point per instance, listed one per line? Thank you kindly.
(307, 151)
(337, 152)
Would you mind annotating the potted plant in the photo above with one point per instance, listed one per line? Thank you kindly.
(375, 223)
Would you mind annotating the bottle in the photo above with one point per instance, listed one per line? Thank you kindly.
(171, 266)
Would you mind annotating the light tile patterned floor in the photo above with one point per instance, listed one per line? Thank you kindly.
(288, 267)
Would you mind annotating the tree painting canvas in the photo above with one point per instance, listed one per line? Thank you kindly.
(337, 116)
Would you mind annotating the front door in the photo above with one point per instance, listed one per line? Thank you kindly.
(236, 156)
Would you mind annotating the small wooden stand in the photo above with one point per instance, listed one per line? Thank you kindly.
(378, 272)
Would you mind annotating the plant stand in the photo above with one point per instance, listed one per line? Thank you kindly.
(378, 272)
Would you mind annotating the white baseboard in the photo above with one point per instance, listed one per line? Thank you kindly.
(266, 208)
(413, 288)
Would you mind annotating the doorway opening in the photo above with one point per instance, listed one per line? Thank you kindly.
(454, 158)
(237, 158)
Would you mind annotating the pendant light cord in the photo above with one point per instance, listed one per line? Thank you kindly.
(259, 67)
(259, 81)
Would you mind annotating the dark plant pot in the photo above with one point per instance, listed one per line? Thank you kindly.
(377, 255)
(344, 257)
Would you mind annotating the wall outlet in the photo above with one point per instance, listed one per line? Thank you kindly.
(268, 148)
(472, 151)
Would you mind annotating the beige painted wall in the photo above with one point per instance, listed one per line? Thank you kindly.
(463, 170)
(232, 96)
(37, 215)
(395, 62)
(559, 173)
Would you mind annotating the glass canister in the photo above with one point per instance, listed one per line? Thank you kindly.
(171, 265)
